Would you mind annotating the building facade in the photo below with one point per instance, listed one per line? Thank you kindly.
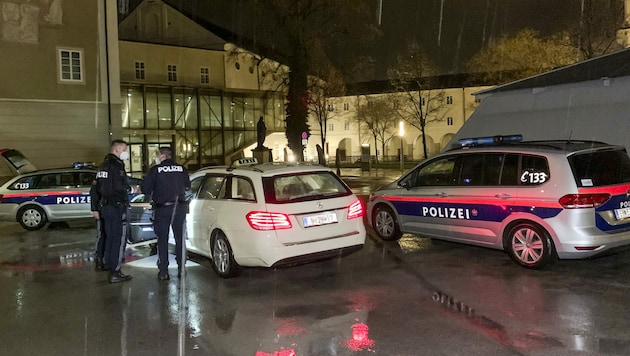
(345, 132)
(59, 98)
(204, 101)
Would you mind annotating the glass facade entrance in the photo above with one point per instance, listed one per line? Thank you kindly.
(204, 127)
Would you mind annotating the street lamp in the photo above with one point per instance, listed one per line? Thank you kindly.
(401, 133)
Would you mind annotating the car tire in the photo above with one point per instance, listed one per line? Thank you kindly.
(31, 217)
(385, 223)
(529, 245)
(223, 261)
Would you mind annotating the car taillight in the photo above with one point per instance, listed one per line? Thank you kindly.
(577, 201)
(355, 210)
(262, 220)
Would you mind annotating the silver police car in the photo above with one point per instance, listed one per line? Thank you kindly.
(536, 200)
(62, 194)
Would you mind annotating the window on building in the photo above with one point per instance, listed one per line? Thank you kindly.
(449, 100)
(204, 73)
(172, 73)
(346, 106)
(140, 75)
(346, 125)
(477, 100)
(422, 102)
(330, 107)
(331, 127)
(70, 65)
(449, 121)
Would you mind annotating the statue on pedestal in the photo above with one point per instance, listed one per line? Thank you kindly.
(261, 129)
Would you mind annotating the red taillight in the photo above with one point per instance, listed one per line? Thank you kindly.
(262, 220)
(355, 210)
(577, 201)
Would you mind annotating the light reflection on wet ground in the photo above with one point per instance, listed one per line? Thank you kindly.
(409, 297)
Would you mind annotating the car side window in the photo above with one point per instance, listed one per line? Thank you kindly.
(86, 178)
(509, 173)
(48, 181)
(211, 186)
(24, 183)
(242, 189)
(534, 170)
(436, 173)
(480, 169)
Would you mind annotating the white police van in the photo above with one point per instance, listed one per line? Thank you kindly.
(537, 200)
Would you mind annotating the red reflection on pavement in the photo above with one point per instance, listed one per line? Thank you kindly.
(290, 352)
(289, 327)
(360, 339)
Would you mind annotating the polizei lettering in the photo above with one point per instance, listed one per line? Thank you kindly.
(162, 169)
(74, 200)
(446, 212)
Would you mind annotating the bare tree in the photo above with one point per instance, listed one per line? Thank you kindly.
(524, 55)
(417, 100)
(377, 118)
(596, 32)
(298, 27)
(320, 105)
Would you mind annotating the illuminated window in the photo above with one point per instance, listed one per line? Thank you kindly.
(172, 73)
(70, 66)
(139, 69)
(204, 73)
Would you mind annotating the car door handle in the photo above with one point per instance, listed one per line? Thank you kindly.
(442, 194)
(503, 196)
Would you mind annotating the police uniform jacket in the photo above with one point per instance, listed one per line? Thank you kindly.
(166, 183)
(112, 183)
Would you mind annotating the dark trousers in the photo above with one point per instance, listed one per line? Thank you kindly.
(167, 217)
(99, 250)
(113, 220)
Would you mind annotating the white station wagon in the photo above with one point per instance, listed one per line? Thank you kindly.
(265, 215)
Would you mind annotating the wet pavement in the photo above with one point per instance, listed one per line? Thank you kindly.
(416, 296)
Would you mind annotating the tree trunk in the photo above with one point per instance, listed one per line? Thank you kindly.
(297, 108)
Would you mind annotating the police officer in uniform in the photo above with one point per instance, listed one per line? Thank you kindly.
(113, 187)
(166, 184)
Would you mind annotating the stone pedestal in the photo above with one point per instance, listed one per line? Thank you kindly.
(262, 154)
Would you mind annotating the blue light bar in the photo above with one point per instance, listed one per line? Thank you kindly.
(489, 140)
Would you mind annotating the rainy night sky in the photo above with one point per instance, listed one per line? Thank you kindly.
(451, 30)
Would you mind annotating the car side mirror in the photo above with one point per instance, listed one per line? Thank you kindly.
(404, 184)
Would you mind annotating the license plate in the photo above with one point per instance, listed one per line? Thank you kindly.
(320, 219)
(622, 213)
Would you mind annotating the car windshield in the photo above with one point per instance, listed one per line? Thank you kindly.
(302, 187)
(600, 168)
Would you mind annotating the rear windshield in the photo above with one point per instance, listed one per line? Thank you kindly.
(600, 168)
(303, 187)
(16, 158)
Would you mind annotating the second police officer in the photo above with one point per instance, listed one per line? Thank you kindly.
(166, 184)
(112, 186)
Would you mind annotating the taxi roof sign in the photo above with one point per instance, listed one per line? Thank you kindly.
(246, 161)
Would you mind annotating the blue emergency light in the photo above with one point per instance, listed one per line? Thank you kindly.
(489, 140)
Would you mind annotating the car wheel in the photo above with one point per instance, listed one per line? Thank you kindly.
(529, 245)
(223, 261)
(31, 217)
(385, 223)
